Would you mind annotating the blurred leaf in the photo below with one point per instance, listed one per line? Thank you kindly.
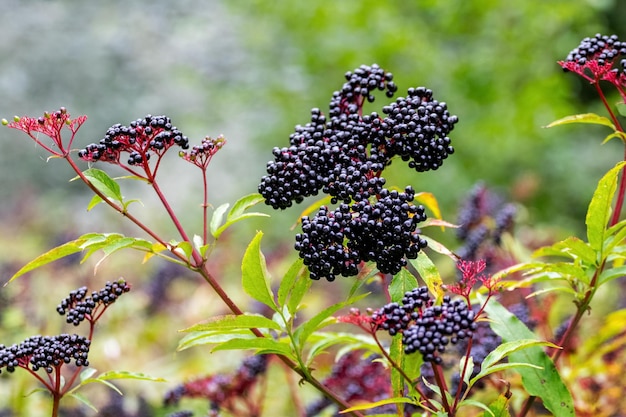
(477, 404)
(128, 375)
(599, 210)
(254, 276)
(583, 118)
(231, 321)
(402, 282)
(439, 247)
(429, 201)
(368, 406)
(544, 383)
(105, 184)
(237, 213)
(95, 200)
(572, 247)
(611, 274)
(499, 408)
(81, 398)
(429, 273)
(183, 248)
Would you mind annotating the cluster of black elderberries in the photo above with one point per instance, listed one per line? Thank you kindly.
(343, 155)
(426, 328)
(45, 352)
(600, 48)
(78, 306)
(139, 139)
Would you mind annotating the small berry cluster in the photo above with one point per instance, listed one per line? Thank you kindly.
(45, 352)
(483, 219)
(426, 328)
(78, 306)
(597, 58)
(356, 379)
(200, 155)
(383, 231)
(344, 156)
(141, 138)
(224, 391)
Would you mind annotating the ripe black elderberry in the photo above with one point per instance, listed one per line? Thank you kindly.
(343, 155)
(45, 352)
(426, 328)
(138, 139)
(601, 48)
(78, 306)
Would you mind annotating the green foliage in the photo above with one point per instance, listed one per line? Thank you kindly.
(542, 379)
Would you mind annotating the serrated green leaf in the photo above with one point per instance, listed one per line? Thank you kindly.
(104, 183)
(402, 282)
(501, 367)
(429, 273)
(289, 280)
(254, 276)
(81, 398)
(232, 321)
(611, 274)
(369, 406)
(208, 338)
(572, 247)
(583, 118)
(258, 343)
(544, 383)
(599, 210)
(216, 218)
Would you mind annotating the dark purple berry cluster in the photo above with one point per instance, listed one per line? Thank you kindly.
(600, 48)
(426, 328)
(78, 306)
(383, 231)
(483, 218)
(343, 155)
(141, 138)
(45, 352)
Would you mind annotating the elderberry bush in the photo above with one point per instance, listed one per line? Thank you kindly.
(426, 328)
(343, 155)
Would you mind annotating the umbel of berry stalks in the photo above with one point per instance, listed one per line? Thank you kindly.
(343, 155)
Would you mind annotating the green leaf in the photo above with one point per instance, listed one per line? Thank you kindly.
(599, 210)
(368, 406)
(128, 375)
(611, 274)
(217, 217)
(501, 367)
(477, 404)
(243, 321)
(583, 118)
(254, 276)
(238, 213)
(105, 184)
(52, 255)
(410, 364)
(194, 339)
(572, 247)
(500, 407)
(429, 201)
(81, 398)
(294, 286)
(95, 200)
(264, 344)
(544, 383)
(402, 282)
(429, 273)
(318, 321)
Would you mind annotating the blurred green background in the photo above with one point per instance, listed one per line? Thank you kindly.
(251, 70)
